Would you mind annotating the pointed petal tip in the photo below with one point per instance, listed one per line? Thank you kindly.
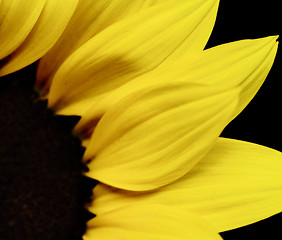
(276, 37)
(272, 38)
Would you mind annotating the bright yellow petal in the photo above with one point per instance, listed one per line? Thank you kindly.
(156, 135)
(49, 27)
(127, 49)
(235, 184)
(246, 64)
(90, 18)
(243, 63)
(17, 18)
(149, 222)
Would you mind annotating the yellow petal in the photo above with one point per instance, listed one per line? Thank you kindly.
(127, 49)
(243, 63)
(246, 64)
(49, 27)
(89, 19)
(150, 222)
(17, 18)
(156, 135)
(235, 184)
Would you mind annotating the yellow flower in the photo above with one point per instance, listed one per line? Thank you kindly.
(139, 70)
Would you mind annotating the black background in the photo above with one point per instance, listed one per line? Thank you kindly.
(261, 121)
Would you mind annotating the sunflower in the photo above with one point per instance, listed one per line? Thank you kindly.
(152, 103)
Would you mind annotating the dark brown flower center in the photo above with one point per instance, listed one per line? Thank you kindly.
(42, 189)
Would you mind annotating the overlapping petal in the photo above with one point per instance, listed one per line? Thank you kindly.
(150, 222)
(235, 184)
(157, 134)
(90, 18)
(243, 63)
(128, 49)
(48, 28)
(17, 18)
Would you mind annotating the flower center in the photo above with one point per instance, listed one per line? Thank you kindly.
(42, 188)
